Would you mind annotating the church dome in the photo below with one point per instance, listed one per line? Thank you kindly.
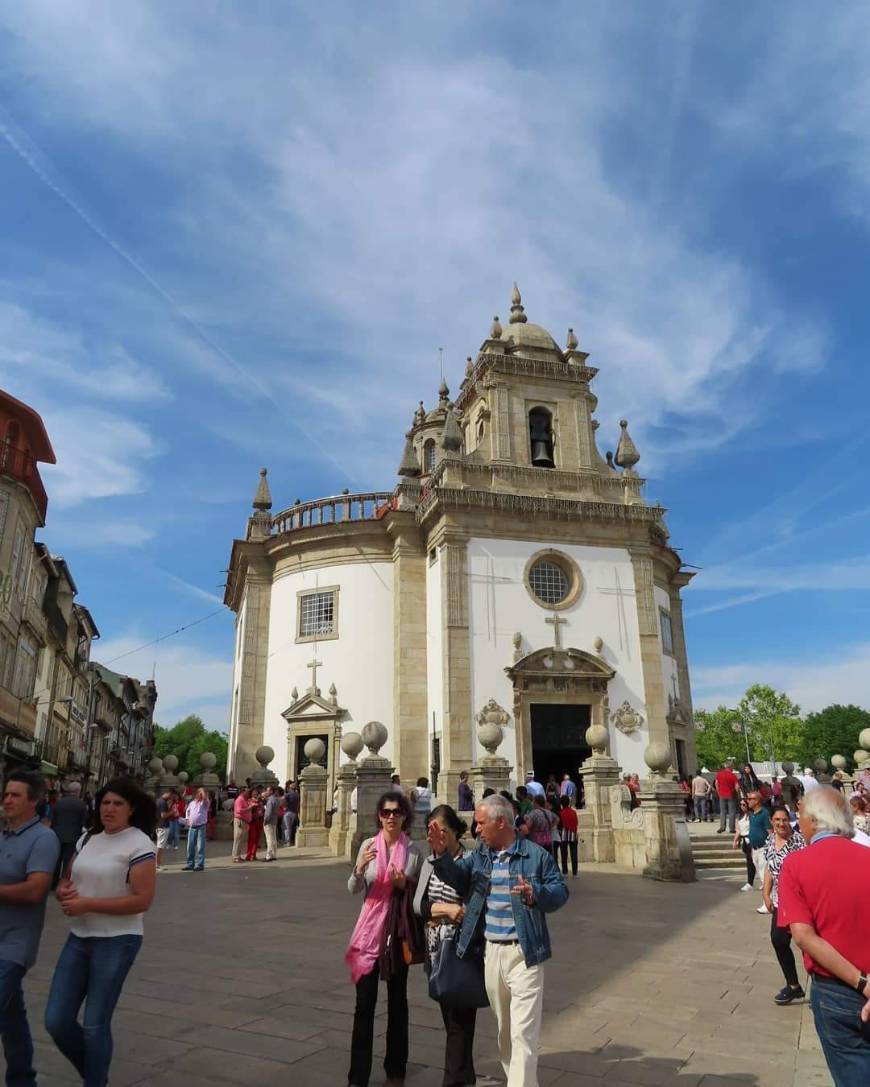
(523, 332)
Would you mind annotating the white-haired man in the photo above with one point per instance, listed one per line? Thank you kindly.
(509, 884)
(823, 895)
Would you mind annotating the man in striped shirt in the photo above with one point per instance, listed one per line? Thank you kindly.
(510, 884)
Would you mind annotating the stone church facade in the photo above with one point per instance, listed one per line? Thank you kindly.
(513, 573)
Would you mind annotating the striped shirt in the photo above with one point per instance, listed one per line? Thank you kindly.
(499, 911)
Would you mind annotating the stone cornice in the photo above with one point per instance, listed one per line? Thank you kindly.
(545, 479)
(521, 366)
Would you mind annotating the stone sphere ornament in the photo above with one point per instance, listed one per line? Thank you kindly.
(170, 764)
(314, 750)
(838, 762)
(352, 745)
(597, 737)
(860, 756)
(490, 735)
(864, 739)
(820, 766)
(183, 777)
(657, 756)
(155, 765)
(374, 736)
(264, 755)
(208, 761)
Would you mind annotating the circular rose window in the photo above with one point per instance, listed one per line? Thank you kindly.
(552, 579)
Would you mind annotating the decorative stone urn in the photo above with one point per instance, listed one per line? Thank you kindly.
(657, 756)
(820, 766)
(264, 775)
(168, 779)
(597, 737)
(374, 736)
(864, 739)
(207, 778)
(860, 756)
(184, 777)
(352, 745)
(314, 750)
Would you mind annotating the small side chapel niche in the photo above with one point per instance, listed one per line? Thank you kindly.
(541, 438)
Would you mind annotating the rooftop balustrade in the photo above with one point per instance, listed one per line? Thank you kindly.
(366, 506)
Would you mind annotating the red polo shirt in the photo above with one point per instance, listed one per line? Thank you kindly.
(827, 885)
(727, 783)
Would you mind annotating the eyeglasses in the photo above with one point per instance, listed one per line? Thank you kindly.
(390, 813)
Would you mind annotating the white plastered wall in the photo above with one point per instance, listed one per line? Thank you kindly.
(502, 605)
(359, 661)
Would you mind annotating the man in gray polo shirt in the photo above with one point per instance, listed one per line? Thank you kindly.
(29, 851)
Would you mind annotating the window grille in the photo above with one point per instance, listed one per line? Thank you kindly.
(317, 614)
(549, 582)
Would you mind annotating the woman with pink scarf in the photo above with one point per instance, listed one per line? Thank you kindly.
(387, 865)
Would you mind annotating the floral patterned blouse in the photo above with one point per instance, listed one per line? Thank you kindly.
(775, 858)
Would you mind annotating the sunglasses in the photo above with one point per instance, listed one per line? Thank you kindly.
(386, 813)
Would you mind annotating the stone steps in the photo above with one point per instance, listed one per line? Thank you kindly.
(714, 851)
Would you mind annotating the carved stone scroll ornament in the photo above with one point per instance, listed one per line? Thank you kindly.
(626, 719)
(491, 721)
(621, 813)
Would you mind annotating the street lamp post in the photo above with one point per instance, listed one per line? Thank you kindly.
(739, 726)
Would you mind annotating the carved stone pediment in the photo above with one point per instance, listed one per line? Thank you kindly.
(574, 663)
(626, 719)
(312, 707)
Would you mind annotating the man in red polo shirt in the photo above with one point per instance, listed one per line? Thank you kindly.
(727, 788)
(823, 895)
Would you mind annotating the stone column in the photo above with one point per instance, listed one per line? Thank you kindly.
(666, 837)
(254, 662)
(312, 797)
(373, 778)
(410, 704)
(599, 773)
(341, 829)
(456, 752)
(650, 646)
(491, 771)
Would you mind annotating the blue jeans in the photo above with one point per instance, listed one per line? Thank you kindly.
(14, 1029)
(728, 808)
(92, 970)
(701, 808)
(196, 847)
(174, 833)
(835, 1010)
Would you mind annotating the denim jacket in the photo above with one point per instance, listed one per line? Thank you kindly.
(471, 874)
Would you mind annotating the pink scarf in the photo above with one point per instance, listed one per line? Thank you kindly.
(365, 941)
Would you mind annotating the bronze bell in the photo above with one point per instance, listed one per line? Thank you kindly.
(542, 456)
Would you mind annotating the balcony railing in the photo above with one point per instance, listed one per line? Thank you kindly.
(20, 465)
(367, 506)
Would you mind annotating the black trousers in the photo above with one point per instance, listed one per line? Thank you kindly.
(781, 940)
(564, 848)
(396, 1058)
(750, 863)
(459, 1053)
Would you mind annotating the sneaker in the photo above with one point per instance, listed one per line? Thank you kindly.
(746, 887)
(786, 995)
(762, 909)
(187, 868)
(721, 830)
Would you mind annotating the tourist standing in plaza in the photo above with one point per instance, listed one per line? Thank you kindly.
(242, 808)
(779, 845)
(68, 818)
(509, 885)
(759, 828)
(255, 826)
(106, 894)
(197, 821)
(176, 812)
(440, 906)
(387, 867)
(27, 864)
(568, 838)
(741, 839)
(569, 789)
(270, 822)
(701, 790)
(533, 788)
(727, 787)
(290, 819)
(164, 818)
(823, 895)
(465, 796)
(421, 798)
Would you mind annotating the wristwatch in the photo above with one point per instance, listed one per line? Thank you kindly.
(862, 983)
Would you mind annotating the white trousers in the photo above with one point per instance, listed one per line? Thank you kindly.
(760, 864)
(271, 832)
(516, 994)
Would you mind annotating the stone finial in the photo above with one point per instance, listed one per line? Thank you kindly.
(572, 343)
(518, 645)
(627, 455)
(352, 745)
(609, 457)
(657, 756)
(518, 314)
(496, 329)
(838, 762)
(419, 414)
(820, 766)
(598, 645)
(469, 367)
(374, 736)
(264, 755)
(443, 394)
(864, 739)
(860, 756)
(263, 497)
(409, 466)
(333, 694)
(451, 436)
(184, 777)
(314, 750)
(208, 761)
(294, 694)
(170, 764)
(597, 737)
(155, 765)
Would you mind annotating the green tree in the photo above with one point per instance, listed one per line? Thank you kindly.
(715, 738)
(187, 740)
(773, 722)
(832, 731)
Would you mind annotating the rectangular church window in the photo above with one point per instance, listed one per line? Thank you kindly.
(667, 631)
(318, 615)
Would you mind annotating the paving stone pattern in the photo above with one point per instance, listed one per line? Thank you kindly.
(241, 980)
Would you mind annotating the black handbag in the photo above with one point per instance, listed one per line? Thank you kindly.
(458, 981)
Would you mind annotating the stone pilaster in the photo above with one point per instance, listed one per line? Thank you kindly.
(372, 779)
(682, 658)
(456, 731)
(501, 422)
(312, 807)
(666, 837)
(342, 818)
(599, 773)
(254, 663)
(492, 772)
(650, 645)
(410, 722)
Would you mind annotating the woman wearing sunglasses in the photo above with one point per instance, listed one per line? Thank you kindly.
(782, 841)
(388, 864)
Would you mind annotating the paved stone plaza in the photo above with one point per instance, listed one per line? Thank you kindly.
(241, 980)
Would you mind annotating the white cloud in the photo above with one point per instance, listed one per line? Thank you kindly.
(811, 682)
(189, 679)
(100, 534)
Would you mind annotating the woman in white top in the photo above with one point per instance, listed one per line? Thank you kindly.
(105, 893)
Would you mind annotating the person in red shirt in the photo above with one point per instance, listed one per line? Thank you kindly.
(823, 895)
(727, 788)
(568, 842)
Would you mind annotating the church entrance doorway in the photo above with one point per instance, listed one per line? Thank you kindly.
(559, 740)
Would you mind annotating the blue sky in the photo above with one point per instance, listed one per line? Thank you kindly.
(235, 235)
